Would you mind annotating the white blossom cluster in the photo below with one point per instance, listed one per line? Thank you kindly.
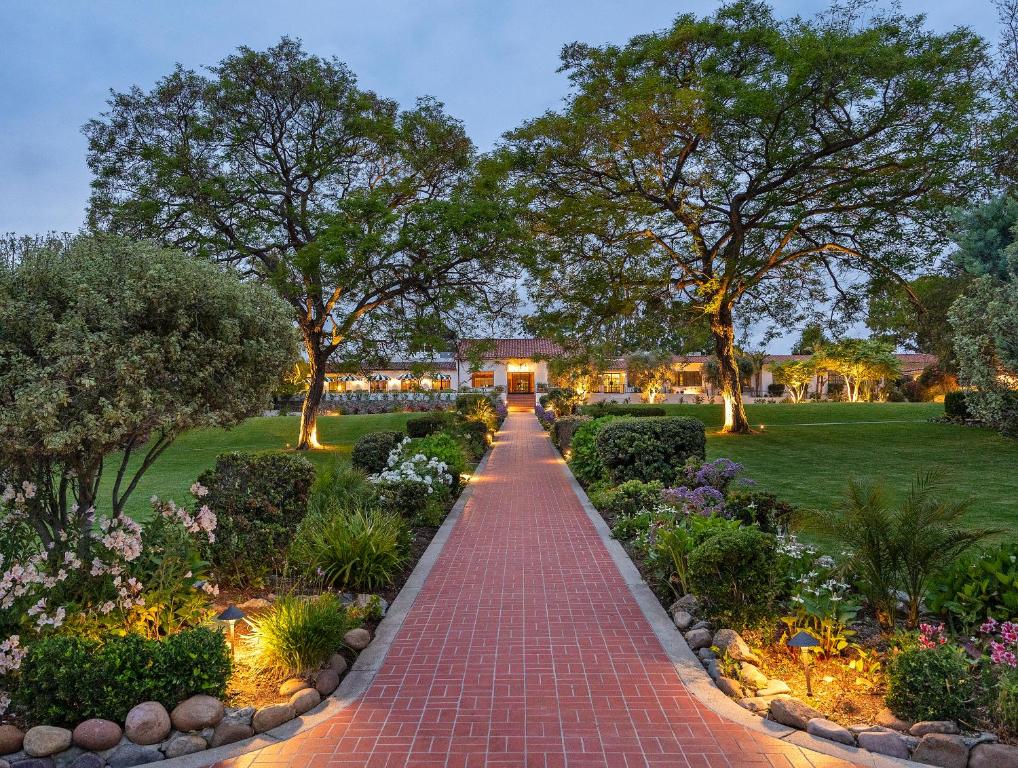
(417, 469)
(203, 521)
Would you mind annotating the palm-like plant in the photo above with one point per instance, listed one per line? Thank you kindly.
(892, 548)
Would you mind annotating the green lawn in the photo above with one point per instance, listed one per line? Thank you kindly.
(807, 453)
(172, 475)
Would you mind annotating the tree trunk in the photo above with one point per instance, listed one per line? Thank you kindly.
(316, 388)
(723, 331)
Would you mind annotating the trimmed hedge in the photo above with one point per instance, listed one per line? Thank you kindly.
(650, 449)
(608, 408)
(371, 452)
(955, 406)
(586, 460)
(735, 573)
(422, 426)
(67, 678)
(564, 428)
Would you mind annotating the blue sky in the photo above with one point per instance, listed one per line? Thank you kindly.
(493, 64)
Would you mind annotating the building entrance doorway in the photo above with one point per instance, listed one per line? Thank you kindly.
(521, 383)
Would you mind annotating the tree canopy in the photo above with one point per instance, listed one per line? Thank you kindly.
(743, 163)
(369, 220)
(860, 362)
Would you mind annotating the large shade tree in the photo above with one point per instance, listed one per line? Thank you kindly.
(741, 162)
(369, 220)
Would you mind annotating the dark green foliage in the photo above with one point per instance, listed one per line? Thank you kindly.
(775, 390)
(473, 435)
(585, 461)
(929, 683)
(1005, 708)
(627, 499)
(258, 499)
(735, 573)
(650, 449)
(422, 426)
(981, 585)
(955, 406)
(562, 400)
(609, 408)
(371, 452)
(467, 402)
(412, 500)
(340, 487)
(564, 428)
(444, 447)
(298, 634)
(764, 509)
(66, 679)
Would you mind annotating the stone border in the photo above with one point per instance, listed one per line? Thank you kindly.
(690, 670)
(368, 662)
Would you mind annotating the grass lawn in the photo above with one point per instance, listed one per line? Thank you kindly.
(807, 453)
(172, 475)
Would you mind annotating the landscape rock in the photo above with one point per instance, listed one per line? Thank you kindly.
(357, 639)
(46, 740)
(792, 712)
(698, 638)
(983, 738)
(326, 681)
(242, 714)
(683, 620)
(11, 739)
(68, 756)
(713, 670)
(305, 700)
(752, 676)
(994, 756)
(255, 604)
(701, 625)
(34, 762)
(97, 734)
(924, 727)
(147, 723)
(363, 601)
(88, 760)
(230, 731)
(757, 705)
(888, 719)
(730, 687)
(267, 718)
(887, 743)
(127, 755)
(197, 713)
(184, 744)
(291, 686)
(729, 641)
(774, 688)
(827, 729)
(705, 654)
(687, 603)
(942, 749)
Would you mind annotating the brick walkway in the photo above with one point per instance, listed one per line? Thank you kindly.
(525, 648)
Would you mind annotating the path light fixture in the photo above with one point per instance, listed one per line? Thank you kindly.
(230, 617)
(804, 641)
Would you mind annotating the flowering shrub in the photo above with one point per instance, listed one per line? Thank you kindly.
(416, 486)
(928, 679)
(822, 605)
(717, 474)
(1002, 641)
(545, 416)
(702, 501)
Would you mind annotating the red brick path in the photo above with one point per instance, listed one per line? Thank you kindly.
(525, 648)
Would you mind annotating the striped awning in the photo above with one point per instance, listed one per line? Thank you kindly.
(442, 377)
(349, 377)
(407, 377)
(378, 377)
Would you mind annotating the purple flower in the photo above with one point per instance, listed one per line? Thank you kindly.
(703, 501)
(716, 474)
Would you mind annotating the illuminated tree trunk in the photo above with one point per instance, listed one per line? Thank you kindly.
(723, 331)
(317, 359)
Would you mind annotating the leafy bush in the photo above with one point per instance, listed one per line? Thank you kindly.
(422, 426)
(484, 412)
(371, 452)
(929, 683)
(955, 406)
(562, 400)
(473, 435)
(977, 586)
(1005, 708)
(673, 544)
(338, 488)
(586, 460)
(564, 428)
(297, 634)
(775, 389)
(650, 449)
(445, 448)
(735, 573)
(608, 408)
(258, 501)
(414, 485)
(629, 498)
(361, 550)
(759, 508)
(468, 401)
(67, 678)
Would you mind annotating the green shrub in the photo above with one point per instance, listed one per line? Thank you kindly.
(444, 447)
(297, 634)
(759, 508)
(337, 488)
(929, 683)
(468, 401)
(422, 426)
(361, 550)
(564, 428)
(955, 406)
(371, 452)
(734, 572)
(609, 408)
(650, 449)
(978, 586)
(562, 400)
(258, 501)
(585, 461)
(631, 497)
(412, 500)
(775, 389)
(473, 435)
(65, 679)
(483, 412)
(1005, 708)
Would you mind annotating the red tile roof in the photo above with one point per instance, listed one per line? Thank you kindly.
(501, 349)
(403, 365)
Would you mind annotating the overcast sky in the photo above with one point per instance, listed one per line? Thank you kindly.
(492, 63)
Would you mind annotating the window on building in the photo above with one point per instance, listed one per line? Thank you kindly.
(614, 382)
(379, 386)
(481, 379)
(408, 385)
(689, 379)
(441, 384)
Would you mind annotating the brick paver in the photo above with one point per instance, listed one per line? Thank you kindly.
(525, 648)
